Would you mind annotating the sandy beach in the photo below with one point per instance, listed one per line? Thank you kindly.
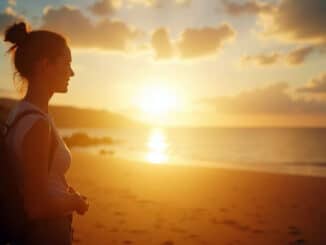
(139, 203)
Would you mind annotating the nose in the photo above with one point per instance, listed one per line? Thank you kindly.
(72, 73)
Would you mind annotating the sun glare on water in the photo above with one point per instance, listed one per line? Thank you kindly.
(156, 102)
(157, 147)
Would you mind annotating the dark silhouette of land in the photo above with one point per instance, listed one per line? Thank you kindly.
(73, 117)
(82, 139)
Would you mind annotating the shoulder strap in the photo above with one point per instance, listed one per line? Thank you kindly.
(53, 142)
(53, 146)
(20, 116)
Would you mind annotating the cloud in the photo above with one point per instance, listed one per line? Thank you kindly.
(315, 85)
(250, 7)
(159, 3)
(261, 59)
(297, 20)
(202, 42)
(7, 18)
(192, 43)
(299, 55)
(166, 3)
(103, 7)
(12, 2)
(290, 20)
(273, 99)
(162, 44)
(294, 57)
(106, 34)
(183, 2)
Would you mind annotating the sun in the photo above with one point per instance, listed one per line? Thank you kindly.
(157, 100)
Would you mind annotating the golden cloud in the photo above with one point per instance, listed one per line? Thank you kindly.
(261, 59)
(273, 100)
(162, 44)
(12, 2)
(193, 43)
(294, 57)
(106, 34)
(299, 55)
(290, 20)
(7, 18)
(250, 7)
(158, 3)
(295, 21)
(203, 42)
(315, 85)
(103, 7)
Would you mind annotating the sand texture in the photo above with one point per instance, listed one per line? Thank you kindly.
(135, 203)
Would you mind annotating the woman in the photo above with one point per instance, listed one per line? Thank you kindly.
(42, 59)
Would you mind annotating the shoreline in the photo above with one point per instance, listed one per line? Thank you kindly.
(306, 169)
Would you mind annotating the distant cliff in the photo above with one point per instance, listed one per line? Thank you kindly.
(72, 117)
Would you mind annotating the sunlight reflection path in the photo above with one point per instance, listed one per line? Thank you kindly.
(157, 147)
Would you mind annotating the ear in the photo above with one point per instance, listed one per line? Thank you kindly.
(43, 64)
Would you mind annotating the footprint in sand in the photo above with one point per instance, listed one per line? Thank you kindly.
(235, 224)
(157, 226)
(187, 217)
(138, 231)
(295, 206)
(192, 236)
(127, 242)
(200, 210)
(122, 221)
(223, 210)
(214, 221)
(235, 242)
(99, 225)
(158, 222)
(257, 231)
(168, 243)
(114, 230)
(178, 230)
(128, 194)
(298, 242)
(293, 230)
(118, 213)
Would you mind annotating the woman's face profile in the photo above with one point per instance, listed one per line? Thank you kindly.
(60, 72)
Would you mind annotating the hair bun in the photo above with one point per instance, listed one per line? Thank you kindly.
(16, 33)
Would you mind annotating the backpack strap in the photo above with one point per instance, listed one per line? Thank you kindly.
(53, 142)
(19, 117)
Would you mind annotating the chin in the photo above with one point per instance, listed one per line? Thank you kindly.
(62, 91)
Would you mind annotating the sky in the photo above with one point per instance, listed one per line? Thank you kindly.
(187, 62)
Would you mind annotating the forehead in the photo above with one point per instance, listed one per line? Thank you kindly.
(66, 53)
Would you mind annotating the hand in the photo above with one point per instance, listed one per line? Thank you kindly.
(72, 190)
(81, 205)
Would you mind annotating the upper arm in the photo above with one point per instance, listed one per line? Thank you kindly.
(35, 151)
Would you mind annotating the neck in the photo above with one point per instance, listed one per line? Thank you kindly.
(39, 95)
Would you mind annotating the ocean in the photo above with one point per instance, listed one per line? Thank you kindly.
(298, 151)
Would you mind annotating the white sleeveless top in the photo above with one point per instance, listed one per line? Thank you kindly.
(57, 185)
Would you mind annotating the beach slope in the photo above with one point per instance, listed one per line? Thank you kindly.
(138, 203)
